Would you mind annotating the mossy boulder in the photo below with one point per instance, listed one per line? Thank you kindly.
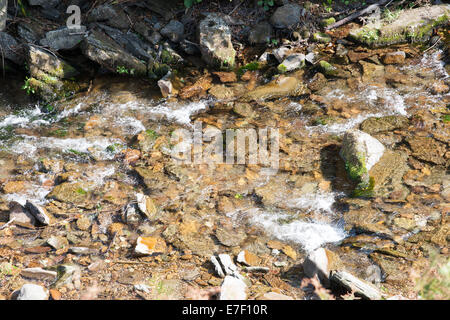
(413, 25)
(360, 152)
(333, 71)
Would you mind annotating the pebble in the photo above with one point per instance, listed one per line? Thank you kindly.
(38, 212)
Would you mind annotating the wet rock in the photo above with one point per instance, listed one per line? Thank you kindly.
(20, 214)
(150, 245)
(413, 25)
(321, 37)
(81, 250)
(173, 31)
(58, 242)
(165, 85)
(287, 16)
(40, 60)
(375, 125)
(439, 87)
(70, 192)
(44, 3)
(147, 206)
(31, 291)
(281, 87)
(317, 82)
(63, 38)
(39, 274)
(260, 33)
(233, 289)
(292, 62)
(11, 48)
(101, 49)
(359, 287)
(199, 88)
(3, 14)
(371, 71)
(332, 71)
(38, 212)
(226, 76)
(244, 110)
(397, 57)
(222, 93)
(112, 16)
(427, 149)
(360, 152)
(215, 42)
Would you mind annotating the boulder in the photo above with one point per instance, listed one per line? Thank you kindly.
(413, 25)
(103, 50)
(110, 15)
(11, 49)
(360, 152)
(215, 42)
(286, 16)
(63, 38)
(261, 33)
(173, 31)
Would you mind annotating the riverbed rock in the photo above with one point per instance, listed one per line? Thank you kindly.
(215, 42)
(38, 212)
(360, 152)
(31, 291)
(165, 85)
(333, 71)
(173, 31)
(260, 33)
(427, 149)
(149, 245)
(3, 14)
(287, 16)
(292, 62)
(63, 38)
(375, 125)
(397, 57)
(20, 214)
(281, 87)
(11, 48)
(147, 206)
(104, 51)
(412, 25)
(233, 289)
(110, 15)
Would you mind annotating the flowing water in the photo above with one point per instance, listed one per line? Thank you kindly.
(89, 132)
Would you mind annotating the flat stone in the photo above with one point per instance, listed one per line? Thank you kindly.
(397, 57)
(20, 214)
(39, 274)
(149, 245)
(38, 212)
(64, 38)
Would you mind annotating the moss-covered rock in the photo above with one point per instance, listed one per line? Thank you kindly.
(414, 25)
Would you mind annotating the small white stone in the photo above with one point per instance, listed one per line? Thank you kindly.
(233, 289)
(31, 291)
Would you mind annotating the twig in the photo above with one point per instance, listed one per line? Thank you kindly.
(7, 224)
(238, 5)
(432, 45)
(357, 14)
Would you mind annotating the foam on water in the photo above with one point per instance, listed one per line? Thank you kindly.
(310, 235)
(30, 144)
(314, 202)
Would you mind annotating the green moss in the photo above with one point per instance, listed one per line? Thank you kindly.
(364, 189)
(282, 68)
(321, 37)
(252, 66)
(356, 171)
(327, 22)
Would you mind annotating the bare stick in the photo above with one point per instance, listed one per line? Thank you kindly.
(7, 224)
(357, 14)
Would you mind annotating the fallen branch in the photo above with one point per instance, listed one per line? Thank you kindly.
(355, 15)
(7, 224)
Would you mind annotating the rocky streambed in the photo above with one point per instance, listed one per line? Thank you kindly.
(95, 206)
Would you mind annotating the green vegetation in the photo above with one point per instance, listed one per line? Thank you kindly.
(446, 118)
(81, 191)
(190, 3)
(28, 87)
(252, 66)
(151, 134)
(364, 190)
(265, 4)
(123, 70)
(435, 283)
(238, 196)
